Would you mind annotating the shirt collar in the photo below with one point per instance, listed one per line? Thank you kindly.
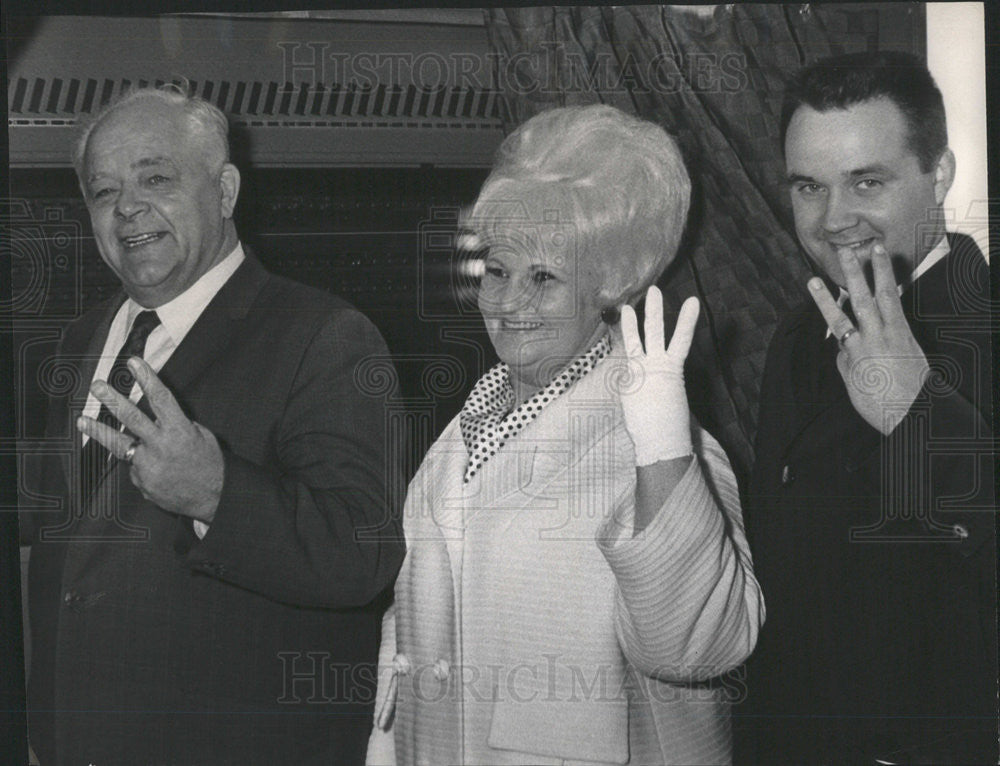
(179, 315)
(939, 251)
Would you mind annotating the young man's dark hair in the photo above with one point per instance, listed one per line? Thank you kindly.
(843, 81)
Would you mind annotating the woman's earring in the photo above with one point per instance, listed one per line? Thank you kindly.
(610, 315)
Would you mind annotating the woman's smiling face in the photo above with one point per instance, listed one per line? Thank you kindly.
(539, 300)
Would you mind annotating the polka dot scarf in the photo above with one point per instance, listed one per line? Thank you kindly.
(489, 418)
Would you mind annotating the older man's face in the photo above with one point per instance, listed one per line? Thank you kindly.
(855, 182)
(158, 207)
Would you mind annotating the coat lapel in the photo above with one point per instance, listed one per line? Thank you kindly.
(816, 382)
(80, 350)
(549, 446)
(516, 478)
(86, 367)
(215, 329)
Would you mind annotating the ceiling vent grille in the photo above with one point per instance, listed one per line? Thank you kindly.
(64, 99)
(331, 112)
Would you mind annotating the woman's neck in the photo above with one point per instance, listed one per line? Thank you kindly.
(526, 382)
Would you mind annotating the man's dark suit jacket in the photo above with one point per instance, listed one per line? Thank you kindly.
(877, 555)
(256, 644)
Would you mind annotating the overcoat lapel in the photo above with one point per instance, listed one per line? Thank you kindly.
(548, 447)
(515, 479)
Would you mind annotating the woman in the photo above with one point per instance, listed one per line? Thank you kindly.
(577, 569)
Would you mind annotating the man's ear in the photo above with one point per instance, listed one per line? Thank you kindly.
(229, 184)
(944, 175)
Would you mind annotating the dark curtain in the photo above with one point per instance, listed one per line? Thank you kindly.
(713, 76)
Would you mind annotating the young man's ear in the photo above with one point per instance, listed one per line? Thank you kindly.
(944, 175)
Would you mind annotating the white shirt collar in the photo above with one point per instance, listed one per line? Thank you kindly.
(939, 251)
(179, 315)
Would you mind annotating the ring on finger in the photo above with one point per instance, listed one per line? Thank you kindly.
(129, 455)
(847, 334)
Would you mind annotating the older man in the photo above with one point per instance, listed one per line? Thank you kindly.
(871, 507)
(205, 593)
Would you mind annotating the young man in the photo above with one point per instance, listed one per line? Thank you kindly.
(870, 508)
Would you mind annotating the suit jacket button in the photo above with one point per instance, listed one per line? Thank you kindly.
(442, 669)
(73, 600)
(787, 476)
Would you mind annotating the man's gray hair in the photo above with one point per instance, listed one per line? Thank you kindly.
(205, 122)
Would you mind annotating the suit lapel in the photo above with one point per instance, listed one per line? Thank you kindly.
(86, 522)
(215, 330)
(87, 366)
(819, 397)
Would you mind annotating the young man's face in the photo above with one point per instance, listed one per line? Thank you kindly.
(855, 181)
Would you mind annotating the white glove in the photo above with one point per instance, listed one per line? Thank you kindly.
(654, 399)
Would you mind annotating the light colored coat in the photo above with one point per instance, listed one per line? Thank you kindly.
(516, 639)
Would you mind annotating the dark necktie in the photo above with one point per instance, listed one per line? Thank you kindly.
(94, 458)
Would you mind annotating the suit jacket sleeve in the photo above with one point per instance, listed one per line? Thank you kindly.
(318, 528)
(949, 425)
(688, 607)
(945, 425)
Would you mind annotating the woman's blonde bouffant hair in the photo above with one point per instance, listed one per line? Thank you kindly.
(616, 182)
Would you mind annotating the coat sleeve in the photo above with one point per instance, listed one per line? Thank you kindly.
(942, 454)
(688, 607)
(319, 527)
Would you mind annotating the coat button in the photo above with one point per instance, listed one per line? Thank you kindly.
(787, 476)
(442, 669)
(401, 664)
(73, 600)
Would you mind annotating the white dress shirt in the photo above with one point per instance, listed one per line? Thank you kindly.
(177, 317)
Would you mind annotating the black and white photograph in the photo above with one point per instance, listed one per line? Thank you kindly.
(498, 386)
